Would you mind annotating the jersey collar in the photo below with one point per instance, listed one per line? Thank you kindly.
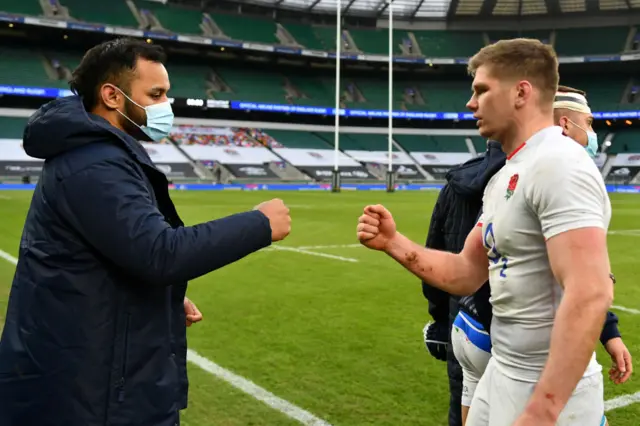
(537, 137)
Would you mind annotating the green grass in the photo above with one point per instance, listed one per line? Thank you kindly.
(341, 340)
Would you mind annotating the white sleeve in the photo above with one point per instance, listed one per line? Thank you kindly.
(567, 194)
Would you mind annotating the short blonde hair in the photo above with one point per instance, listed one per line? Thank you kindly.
(521, 58)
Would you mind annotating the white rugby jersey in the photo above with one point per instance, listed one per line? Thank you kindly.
(549, 185)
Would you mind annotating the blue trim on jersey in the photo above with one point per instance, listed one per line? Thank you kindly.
(604, 420)
(474, 331)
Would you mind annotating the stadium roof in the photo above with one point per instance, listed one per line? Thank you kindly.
(408, 8)
(440, 9)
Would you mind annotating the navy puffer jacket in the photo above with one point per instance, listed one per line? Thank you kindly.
(95, 328)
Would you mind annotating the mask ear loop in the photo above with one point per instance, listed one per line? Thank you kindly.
(133, 102)
(579, 127)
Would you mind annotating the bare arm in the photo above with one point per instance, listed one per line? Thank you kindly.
(580, 263)
(460, 274)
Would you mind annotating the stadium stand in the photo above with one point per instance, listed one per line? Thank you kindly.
(357, 142)
(366, 142)
(64, 58)
(327, 36)
(445, 95)
(377, 40)
(251, 85)
(247, 28)
(450, 143)
(479, 143)
(313, 91)
(12, 127)
(430, 143)
(23, 67)
(214, 136)
(189, 80)
(595, 41)
(625, 142)
(604, 93)
(431, 43)
(179, 20)
(306, 36)
(542, 35)
(221, 137)
(416, 143)
(263, 138)
(196, 78)
(298, 139)
(22, 7)
(115, 12)
(52, 68)
(446, 44)
(377, 95)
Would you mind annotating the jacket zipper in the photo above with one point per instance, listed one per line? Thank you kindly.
(125, 354)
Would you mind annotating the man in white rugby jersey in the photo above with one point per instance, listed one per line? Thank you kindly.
(470, 342)
(543, 229)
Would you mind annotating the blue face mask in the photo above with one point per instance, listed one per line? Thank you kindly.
(592, 144)
(592, 141)
(159, 119)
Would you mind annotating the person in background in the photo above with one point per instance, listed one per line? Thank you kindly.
(453, 217)
(571, 111)
(95, 329)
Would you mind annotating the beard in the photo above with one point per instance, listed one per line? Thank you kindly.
(138, 116)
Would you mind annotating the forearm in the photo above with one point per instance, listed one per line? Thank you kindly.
(449, 272)
(109, 205)
(576, 330)
(186, 253)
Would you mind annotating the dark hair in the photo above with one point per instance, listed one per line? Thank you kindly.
(112, 61)
(567, 89)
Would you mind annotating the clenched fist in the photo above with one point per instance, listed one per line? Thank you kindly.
(191, 311)
(376, 227)
(279, 218)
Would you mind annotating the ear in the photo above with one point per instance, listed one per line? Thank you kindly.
(524, 91)
(564, 123)
(111, 97)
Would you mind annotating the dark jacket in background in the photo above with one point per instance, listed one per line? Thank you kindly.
(95, 328)
(454, 216)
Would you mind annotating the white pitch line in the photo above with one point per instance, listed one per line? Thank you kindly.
(247, 386)
(626, 232)
(623, 309)
(334, 246)
(621, 401)
(296, 412)
(239, 382)
(6, 256)
(315, 253)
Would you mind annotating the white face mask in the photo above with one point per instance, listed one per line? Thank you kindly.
(159, 118)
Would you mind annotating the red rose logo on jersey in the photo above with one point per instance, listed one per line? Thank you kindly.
(513, 182)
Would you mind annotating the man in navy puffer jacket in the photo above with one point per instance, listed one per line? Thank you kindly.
(95, 330)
